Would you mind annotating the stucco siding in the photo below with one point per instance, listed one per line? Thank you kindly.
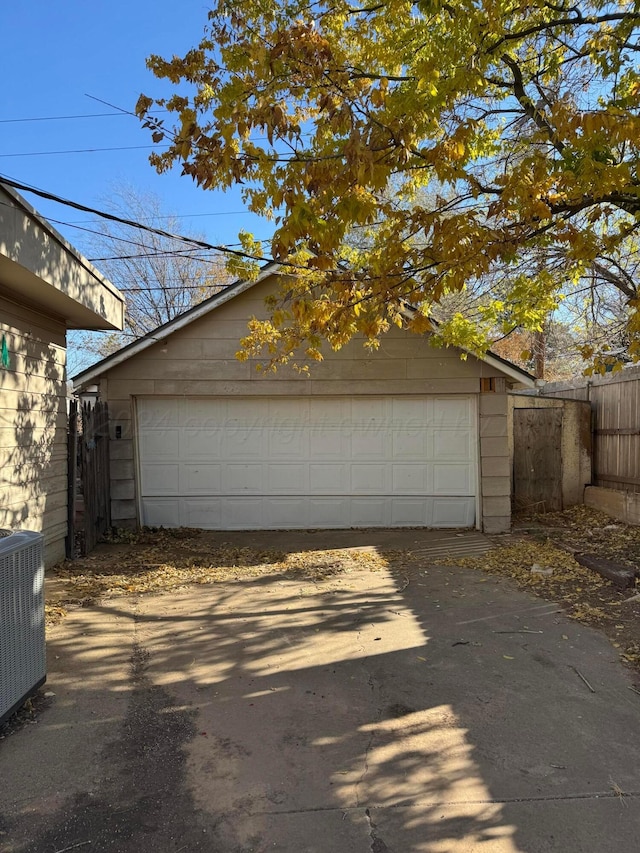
(33, 444)
(199, 360)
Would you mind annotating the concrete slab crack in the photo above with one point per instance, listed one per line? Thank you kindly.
(369, 745)
(365, 769)
(377, 844)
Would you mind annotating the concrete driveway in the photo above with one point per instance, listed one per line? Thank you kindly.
(368, 712)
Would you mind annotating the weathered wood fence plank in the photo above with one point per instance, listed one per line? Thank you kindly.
(616, 441)
(537, 459)
(94, 472)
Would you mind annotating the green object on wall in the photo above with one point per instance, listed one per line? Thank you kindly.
(5, 352)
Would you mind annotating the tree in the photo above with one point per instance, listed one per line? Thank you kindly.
(161, 278)
(487, 146)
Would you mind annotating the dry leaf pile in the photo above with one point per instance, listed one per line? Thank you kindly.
(165, 560)
(585, 529)
(585, 595)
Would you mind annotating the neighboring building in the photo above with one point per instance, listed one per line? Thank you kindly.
(408, 435)
(46, 287)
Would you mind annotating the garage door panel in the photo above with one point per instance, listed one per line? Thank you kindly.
(282, 513)
(369, 442)
(285, 412)
(242, 478)
(329, 443)
(203, 478)
(330, 478)
(330, 512)
(240, 513)
(159, 479)
(288, 479)
(202, 512)
(451, 479)
(242, 443)
(369, 478)
(236, 463)
(410, 479)
(410, 413)
(159, 414)
(161, 512)
(409, 443)
(289, 442)
(370, 512)
(453, 512)
(202, 442)
(452, 412)
(453, 443)
(410, 512)
(203, 413)
(329, 413)
(160, 444)
(368, 411)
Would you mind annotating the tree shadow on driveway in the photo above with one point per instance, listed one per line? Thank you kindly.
(412, 709)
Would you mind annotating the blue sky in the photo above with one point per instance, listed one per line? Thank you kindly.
(53, 55)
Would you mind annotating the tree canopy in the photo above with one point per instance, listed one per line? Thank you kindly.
(408, 151)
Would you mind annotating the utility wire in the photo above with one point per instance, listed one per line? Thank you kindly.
(120, 239)
(202, 244)
(171, 216)
(79, 151)
(68, 118)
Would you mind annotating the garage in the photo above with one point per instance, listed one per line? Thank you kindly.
(307, 462)
(406, 434)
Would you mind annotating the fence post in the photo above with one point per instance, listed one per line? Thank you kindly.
(72, 474)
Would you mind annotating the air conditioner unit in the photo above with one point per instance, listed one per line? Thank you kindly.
(22, 644)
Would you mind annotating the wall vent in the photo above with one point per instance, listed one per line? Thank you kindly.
(22, 643)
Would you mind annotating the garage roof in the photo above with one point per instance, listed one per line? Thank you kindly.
(91, 374)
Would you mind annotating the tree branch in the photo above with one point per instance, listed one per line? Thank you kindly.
(578, 20)
(525, 102)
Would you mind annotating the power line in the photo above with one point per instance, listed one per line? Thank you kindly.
(120, 239)
(174, 216)
(160, 288)
(202, 244)
(180, 253)
(69, 117)
(79, 151)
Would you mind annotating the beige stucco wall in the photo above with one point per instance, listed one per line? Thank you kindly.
(619, 504)
(199, 360)
(575, 447)
(33, 444)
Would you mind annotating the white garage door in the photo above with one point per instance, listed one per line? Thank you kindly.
(265, 463)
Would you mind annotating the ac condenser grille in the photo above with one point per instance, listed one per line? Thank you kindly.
(22, 641)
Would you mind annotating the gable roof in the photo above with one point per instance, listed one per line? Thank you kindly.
(88, 376)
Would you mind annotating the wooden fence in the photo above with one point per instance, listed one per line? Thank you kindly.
(615, 402)
(88, 477)
(537, 459)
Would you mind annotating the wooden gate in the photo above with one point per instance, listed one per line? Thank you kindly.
(89, 494)
(537, 459)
